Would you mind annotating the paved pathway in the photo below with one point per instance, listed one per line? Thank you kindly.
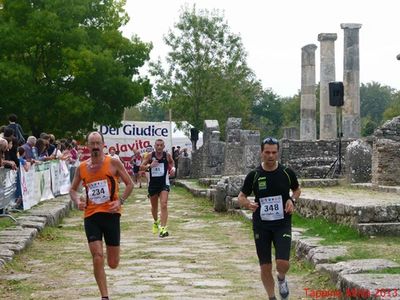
(207, 256)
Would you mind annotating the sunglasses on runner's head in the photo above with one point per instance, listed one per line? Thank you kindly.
(270, 141)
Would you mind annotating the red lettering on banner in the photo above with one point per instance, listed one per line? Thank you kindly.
(137, 144)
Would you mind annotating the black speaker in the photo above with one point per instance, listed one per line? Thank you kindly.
(336, 93)
(194, 134)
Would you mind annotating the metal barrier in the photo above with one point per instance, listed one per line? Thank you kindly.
(8, 186)
(42, 182)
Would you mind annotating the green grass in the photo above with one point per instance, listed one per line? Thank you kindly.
(6, 222)
(332, 233)
(52, 234)
(386, 271)
(20, 287)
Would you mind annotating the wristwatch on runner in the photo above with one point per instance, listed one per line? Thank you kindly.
(121, 200)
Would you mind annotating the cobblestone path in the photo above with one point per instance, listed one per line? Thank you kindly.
(207, 256)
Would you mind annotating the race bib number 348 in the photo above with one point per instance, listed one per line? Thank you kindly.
(98, 191)
(271, 208)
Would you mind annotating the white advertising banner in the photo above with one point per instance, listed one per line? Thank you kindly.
(43, 181)
(64, 178)
(28, 188)
(134, 135)
(55, 177)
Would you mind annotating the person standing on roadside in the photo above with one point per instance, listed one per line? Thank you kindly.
(161, 167)
(101, 205)
(136, 161)
(18, 132)
(271, 184)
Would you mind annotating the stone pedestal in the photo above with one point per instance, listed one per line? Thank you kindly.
(358, 162)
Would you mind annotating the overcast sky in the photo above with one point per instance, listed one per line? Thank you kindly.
(274, 31)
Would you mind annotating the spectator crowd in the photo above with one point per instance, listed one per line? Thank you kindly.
(17, 150)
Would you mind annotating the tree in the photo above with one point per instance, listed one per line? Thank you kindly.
(267, 114)
(368, 126)
(374, 99)
(148, 110)
(393, 110)
(207, 76)
(291, 111)
(64, 64)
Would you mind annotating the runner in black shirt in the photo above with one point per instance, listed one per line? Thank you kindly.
(161, 167)
(271, 184)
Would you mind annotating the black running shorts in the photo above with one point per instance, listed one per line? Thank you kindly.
(281, 238)
(156, 190)
(103, 224)
(135, 169)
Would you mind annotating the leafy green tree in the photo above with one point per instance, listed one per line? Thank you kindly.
(374, 99)
(291, 111)
(393, 110)
(207, 76)
(266, 115)
(368, 126)
(64, 64)
(148, 110)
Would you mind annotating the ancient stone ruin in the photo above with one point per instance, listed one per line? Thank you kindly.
(358, 159)
(242, 148)
(239, 154)
(386, 154)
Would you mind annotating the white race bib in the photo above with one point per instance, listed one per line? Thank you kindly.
(271, 208)
(98, 191)
(157, 171)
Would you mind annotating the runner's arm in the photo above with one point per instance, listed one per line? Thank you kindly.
(172, 164)
(170, 160)
(73, 192)
(146, 163)
(246, 203)
(246, 190)
(296, 193)
(121, 172)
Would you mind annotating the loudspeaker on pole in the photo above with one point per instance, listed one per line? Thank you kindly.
(336, 93)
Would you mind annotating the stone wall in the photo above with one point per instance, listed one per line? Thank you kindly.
(238, 155)
(208, 160)
(311, 159)
(386, 154)
(242, 148)
(291, 133)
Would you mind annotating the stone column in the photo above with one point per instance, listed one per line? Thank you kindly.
(351, 81)
(327, 113)
(308, 101)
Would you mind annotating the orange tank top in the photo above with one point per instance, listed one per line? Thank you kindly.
(101, 187)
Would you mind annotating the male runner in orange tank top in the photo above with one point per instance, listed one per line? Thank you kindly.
(101, 205)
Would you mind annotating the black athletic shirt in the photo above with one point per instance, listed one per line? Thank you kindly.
(158, 175)
(270, 183)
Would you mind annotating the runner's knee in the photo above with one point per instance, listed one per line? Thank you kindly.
(98, 257)
(113, 262)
